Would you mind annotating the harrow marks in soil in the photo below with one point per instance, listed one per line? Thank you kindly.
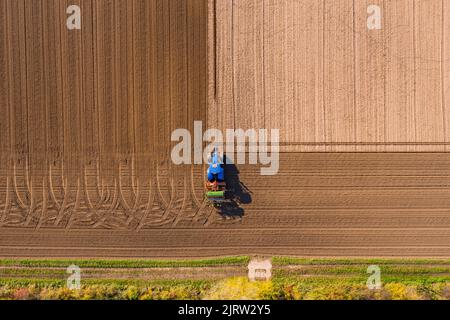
(125, 200)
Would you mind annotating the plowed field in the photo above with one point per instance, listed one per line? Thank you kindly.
(86, 118)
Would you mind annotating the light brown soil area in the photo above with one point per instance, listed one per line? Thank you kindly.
(86, 118)
(315, 71)
(319, 204)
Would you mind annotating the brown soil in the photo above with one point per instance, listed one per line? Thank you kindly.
(87, 115)
(315, 71)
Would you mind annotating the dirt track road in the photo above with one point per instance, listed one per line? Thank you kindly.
(86, 117)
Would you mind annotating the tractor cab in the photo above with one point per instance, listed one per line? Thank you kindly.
(215, 184)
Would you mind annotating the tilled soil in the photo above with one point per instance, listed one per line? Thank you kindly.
(87, 115)
(314, 70)
(319, 205)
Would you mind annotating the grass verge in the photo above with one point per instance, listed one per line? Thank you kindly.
(109, 264)
(293, 278)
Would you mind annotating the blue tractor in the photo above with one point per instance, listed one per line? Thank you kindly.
(215, 186)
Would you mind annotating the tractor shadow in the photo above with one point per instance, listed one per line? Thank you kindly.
(237, 194)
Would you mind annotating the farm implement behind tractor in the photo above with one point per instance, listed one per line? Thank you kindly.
(215, 185)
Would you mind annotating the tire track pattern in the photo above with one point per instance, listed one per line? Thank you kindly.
(85, 131)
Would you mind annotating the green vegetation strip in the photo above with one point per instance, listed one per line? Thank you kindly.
(109, 264)
(286, 261)
(44, 289)
(362, 269)
(61, 283)
(293, 278)
(322, 280)
(232, 288)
